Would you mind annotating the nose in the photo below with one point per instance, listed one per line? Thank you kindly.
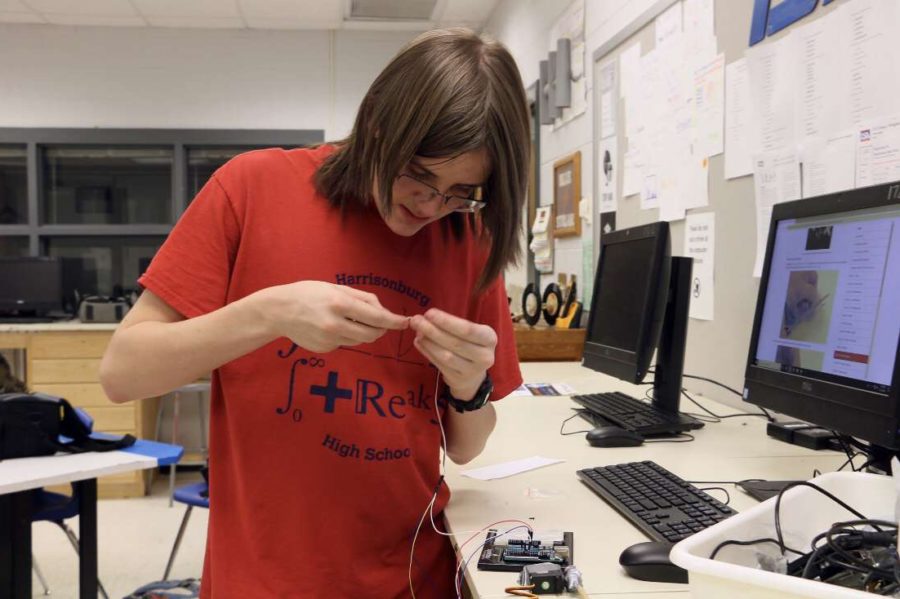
(426, 205)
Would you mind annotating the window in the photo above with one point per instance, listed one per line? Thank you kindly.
(104, 200)
(107, 185)
(12, 247)
(101, 264)
(203, 162)
(13, 186)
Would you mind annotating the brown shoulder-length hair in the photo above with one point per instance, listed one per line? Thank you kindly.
(447, 92)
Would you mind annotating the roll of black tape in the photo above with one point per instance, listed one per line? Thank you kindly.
(531, 305)
(552, 304)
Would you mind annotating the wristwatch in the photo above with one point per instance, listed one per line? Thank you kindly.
(477, 402)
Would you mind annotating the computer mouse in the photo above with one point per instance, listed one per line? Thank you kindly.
(613, 436)
(650, 561)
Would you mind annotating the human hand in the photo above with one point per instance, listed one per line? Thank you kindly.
(321, 317)
(802, 298)
(462, 350)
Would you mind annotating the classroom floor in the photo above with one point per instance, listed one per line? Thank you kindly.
(135, 538)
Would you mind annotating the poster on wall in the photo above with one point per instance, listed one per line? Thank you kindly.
(700, 244)
(608, 99)
(608, 168)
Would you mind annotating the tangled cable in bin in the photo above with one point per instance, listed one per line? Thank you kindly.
(859, 554)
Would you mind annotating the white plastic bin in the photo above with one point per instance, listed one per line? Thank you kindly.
(804, 513)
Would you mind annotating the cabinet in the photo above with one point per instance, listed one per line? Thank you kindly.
(64, 360)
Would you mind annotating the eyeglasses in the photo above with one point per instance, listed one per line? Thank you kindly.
(423, 192)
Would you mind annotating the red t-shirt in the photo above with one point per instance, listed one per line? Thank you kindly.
(322, 464)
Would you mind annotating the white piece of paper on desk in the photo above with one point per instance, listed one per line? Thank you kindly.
(509, 468)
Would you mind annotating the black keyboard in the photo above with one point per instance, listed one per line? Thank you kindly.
(26, 319)
(638, 416)
(662, 505)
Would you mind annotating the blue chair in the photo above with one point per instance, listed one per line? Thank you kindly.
(53, 507)
(194, 495)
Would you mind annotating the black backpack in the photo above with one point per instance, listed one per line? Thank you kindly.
(31, 425)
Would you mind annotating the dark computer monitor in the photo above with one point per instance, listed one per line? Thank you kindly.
(30, 286)
(80, 279)
(640, 305)
(825, 335)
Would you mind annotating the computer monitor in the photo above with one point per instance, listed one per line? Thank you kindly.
(825, 335)
(31, 286)
(640, 304)
(80, 279)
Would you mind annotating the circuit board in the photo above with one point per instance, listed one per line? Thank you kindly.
(511, 553)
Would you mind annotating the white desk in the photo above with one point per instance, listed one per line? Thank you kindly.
(735, 449)
(19, 477)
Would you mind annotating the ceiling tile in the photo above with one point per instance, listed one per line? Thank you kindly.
(199, 22)
(20, 17)
(296, 10)
(420, 10)
(467, 10)
(13, 6)
(269, 23)
(187, 8)
(106, 8)
(57, 19)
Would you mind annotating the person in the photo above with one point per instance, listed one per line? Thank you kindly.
(9, 382)
(349, 300)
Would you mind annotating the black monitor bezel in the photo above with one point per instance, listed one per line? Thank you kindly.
(39, 308)
(623, 364)
(865, 413)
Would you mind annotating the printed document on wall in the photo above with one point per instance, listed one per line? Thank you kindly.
(878, 152)
(709, 107)
(700, 244)
(633, 170)
(608, 167)
(608, 98)
(738, 155)
(824, 93)
(668, 26)
(869, 39)
(829, 165)
(776, 179)
(629, 70)
(773, 88)
(699, 28)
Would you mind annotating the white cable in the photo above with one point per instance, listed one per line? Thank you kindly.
(430, 507)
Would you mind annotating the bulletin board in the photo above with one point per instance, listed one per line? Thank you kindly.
(716, 348)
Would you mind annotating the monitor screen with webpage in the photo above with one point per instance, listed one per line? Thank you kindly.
(825, 338)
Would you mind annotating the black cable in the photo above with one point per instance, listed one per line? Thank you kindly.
(572, 432)
(849, 460)
(719, 416)
(725, 482)
(724, 544)
(778, 533)
(694, 401)
(723, 385)
(723, 489)
(680, 438)
(765, 412)
(648, 395)
(847, 451)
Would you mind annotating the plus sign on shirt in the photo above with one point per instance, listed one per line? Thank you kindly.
(322, 464)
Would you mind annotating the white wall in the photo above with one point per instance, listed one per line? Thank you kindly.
(525, 28)
(55, 76)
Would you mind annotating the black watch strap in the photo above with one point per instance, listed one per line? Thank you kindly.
(482, 396)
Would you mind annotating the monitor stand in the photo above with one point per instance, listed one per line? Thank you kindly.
(670, 351)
